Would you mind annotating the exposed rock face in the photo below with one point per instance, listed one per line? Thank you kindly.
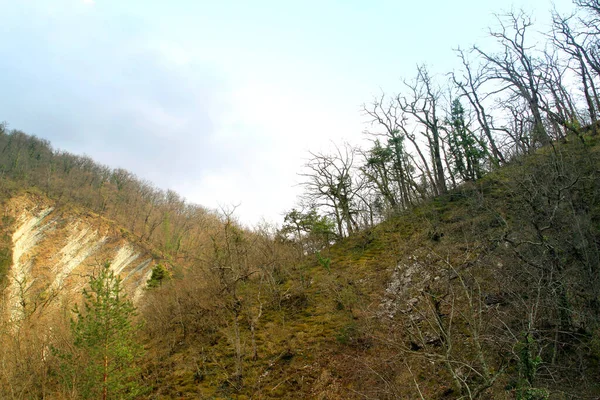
(404, 289)
(55, 251)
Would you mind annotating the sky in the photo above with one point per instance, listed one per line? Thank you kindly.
(222, 100)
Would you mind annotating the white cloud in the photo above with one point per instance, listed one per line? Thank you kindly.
(174, 53)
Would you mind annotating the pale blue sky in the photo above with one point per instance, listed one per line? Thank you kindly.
(220, 100)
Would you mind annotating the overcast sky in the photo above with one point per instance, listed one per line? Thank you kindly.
(220, 100)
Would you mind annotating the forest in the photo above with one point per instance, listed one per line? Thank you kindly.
(456, 255)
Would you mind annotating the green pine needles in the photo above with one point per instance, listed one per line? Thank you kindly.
(105, 348)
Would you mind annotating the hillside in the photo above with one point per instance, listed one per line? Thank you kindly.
(53, 251)
(480, 293)
(488, 291)
(453, 254)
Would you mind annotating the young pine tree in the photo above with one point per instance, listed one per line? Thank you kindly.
(466, 151)
(105, 339)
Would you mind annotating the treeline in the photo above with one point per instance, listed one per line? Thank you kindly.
(528, 90)
(159, 217)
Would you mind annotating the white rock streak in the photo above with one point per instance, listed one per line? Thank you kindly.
(124, 257)
(54, 253)
(29, 232)
(82, 242)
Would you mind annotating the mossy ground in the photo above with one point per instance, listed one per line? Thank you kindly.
(326, 342)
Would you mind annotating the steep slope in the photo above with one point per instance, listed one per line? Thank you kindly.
(490, 291)
(56, 248)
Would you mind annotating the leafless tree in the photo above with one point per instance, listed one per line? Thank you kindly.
(516, 69)
(387, 164)
(565, 39)
(332, 185)
(470, 86)
(421, 105)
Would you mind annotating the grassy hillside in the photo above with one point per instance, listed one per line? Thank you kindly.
(457, 256)
(489, 291)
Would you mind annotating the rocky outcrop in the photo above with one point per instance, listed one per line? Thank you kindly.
(55, 250)
(404, 290)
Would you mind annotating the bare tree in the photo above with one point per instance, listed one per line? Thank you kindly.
(516, 69)
(470, 86)
(422, 106)
(332, 185)
(387, 164)
(565, 39)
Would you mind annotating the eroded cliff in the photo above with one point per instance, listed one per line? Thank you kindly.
(54, 251)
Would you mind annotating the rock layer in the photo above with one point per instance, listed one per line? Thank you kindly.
(55, 250)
